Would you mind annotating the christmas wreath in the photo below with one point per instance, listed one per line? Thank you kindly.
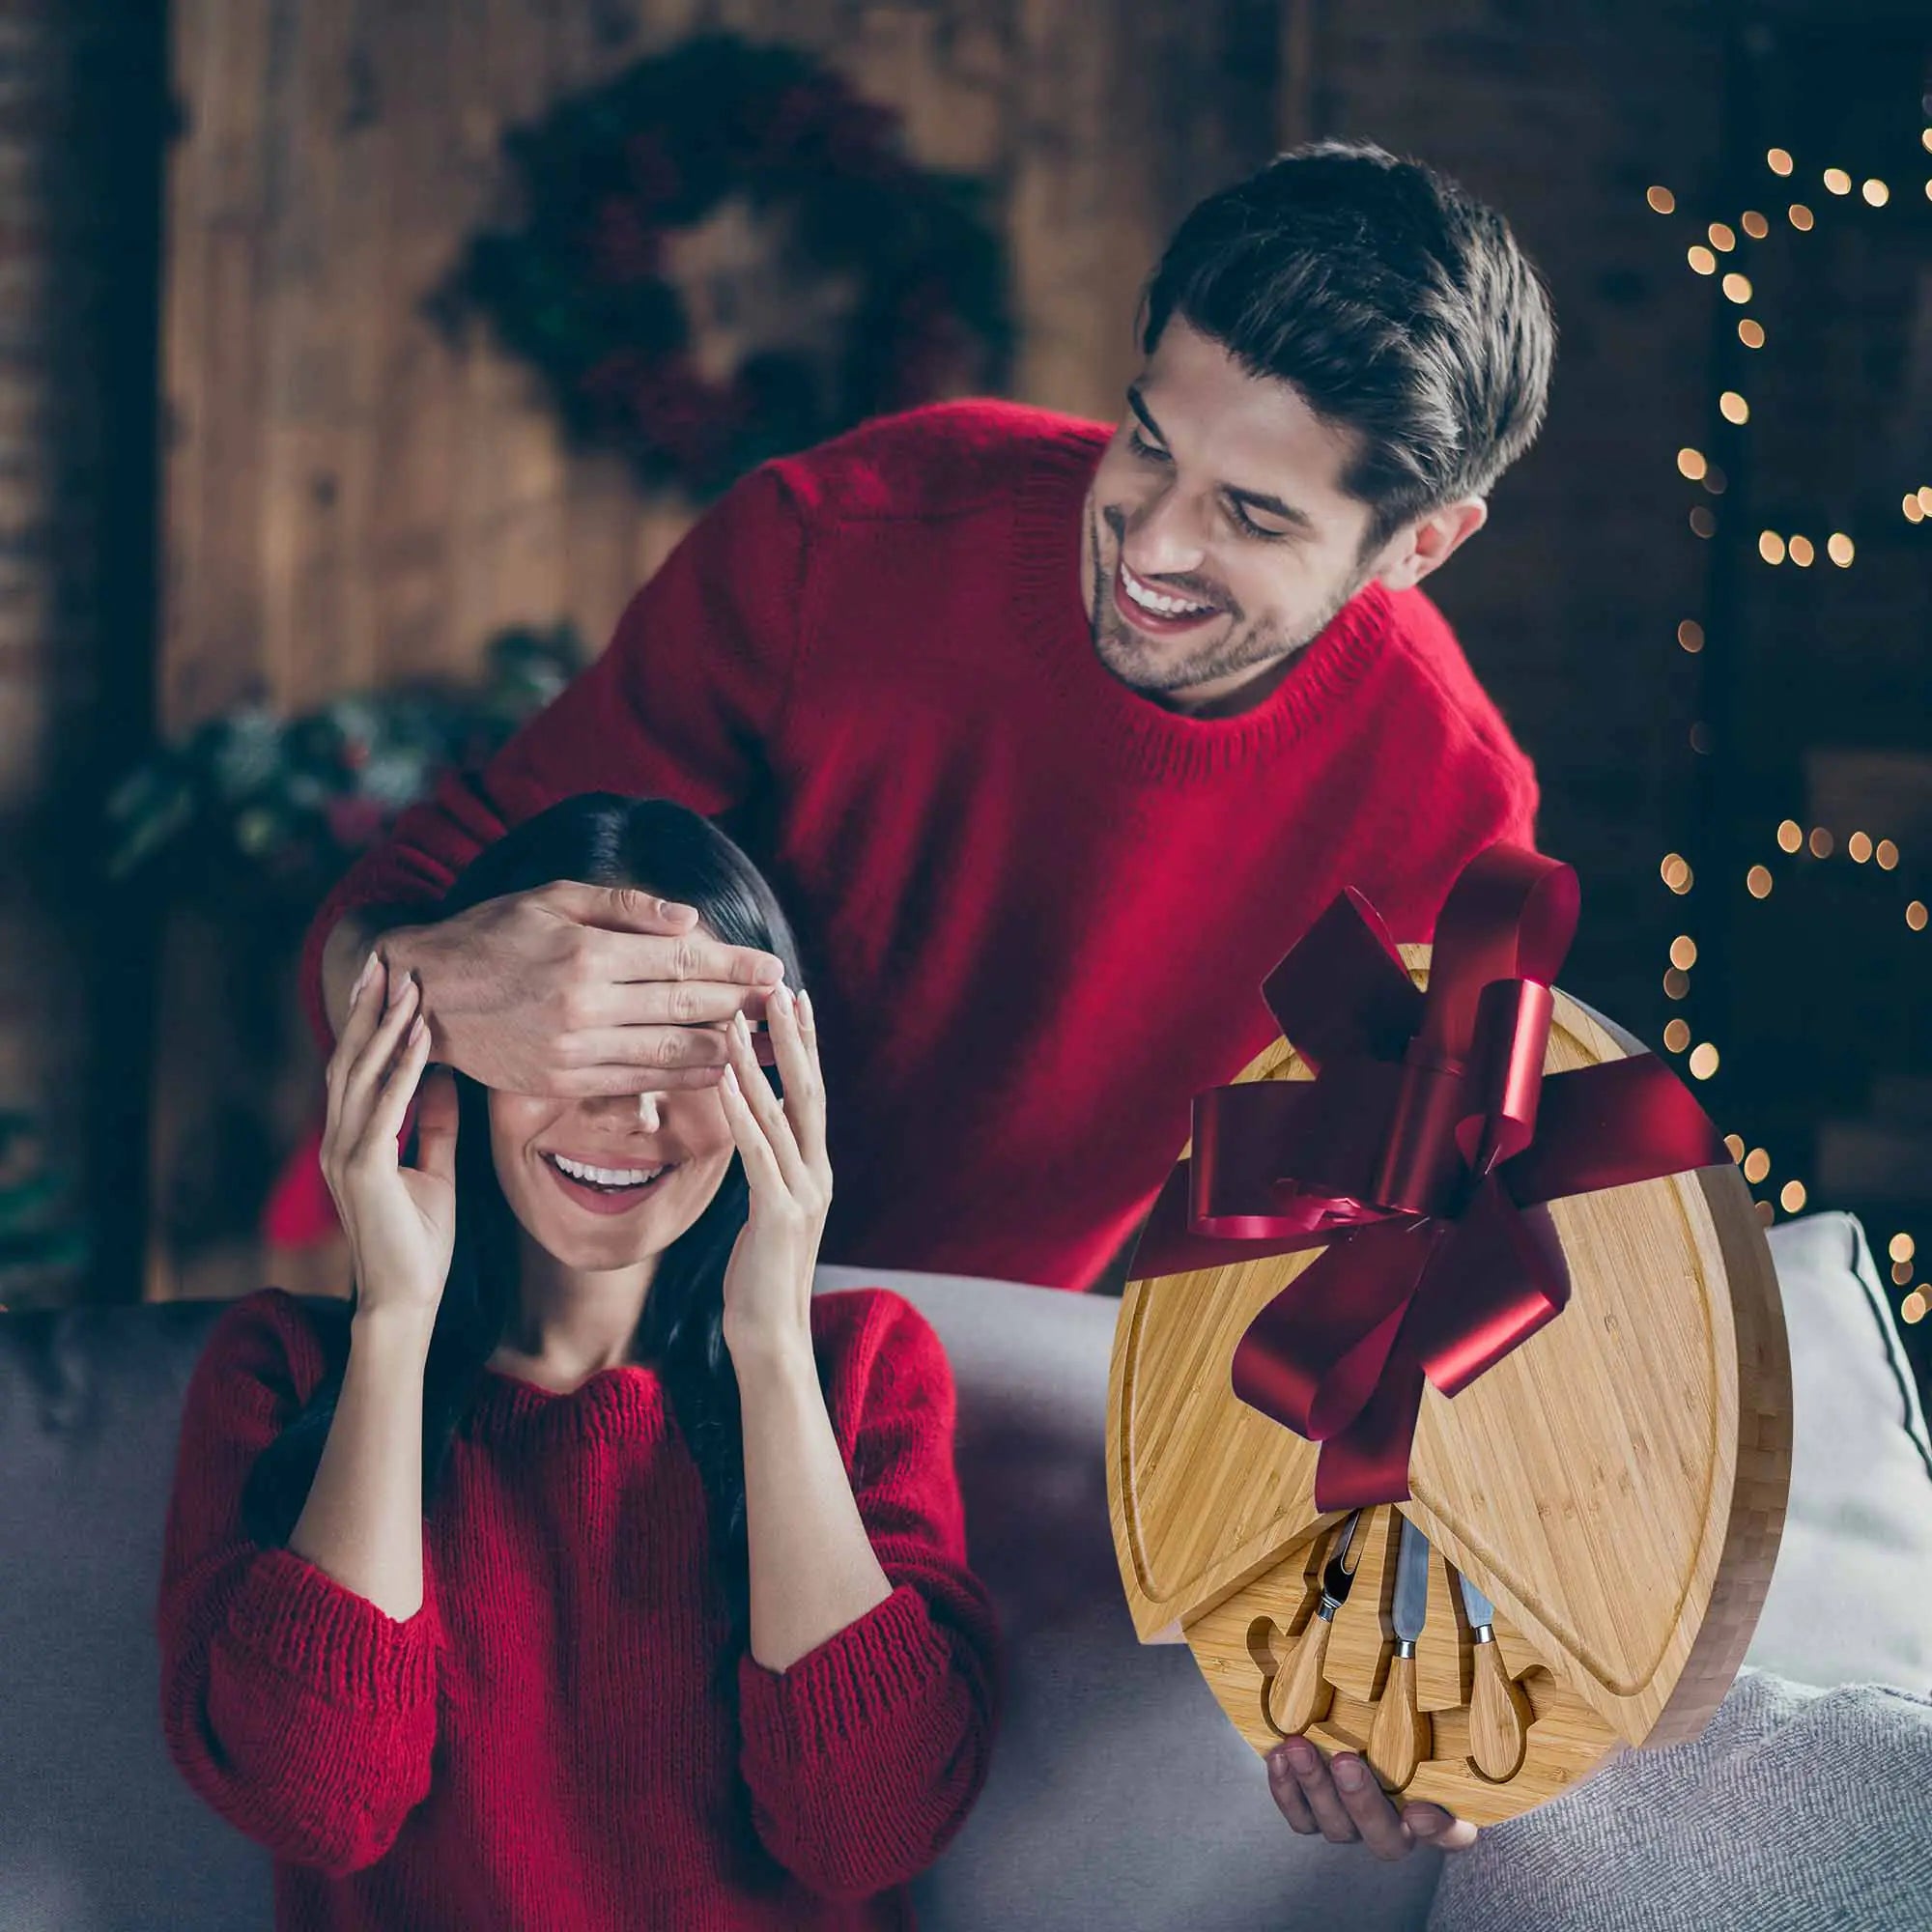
(866, 284)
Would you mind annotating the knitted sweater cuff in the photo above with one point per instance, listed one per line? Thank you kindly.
(859, 1680)
(300, 1621)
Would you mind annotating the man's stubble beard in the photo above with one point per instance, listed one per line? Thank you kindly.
(1247, 647)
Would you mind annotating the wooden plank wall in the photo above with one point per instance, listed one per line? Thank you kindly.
(349, 501)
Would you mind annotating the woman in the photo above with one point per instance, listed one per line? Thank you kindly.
(587, 1570)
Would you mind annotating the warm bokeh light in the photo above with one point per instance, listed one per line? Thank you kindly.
(1691, 463)
(1714, 480)
(1691, 635)
(1858, 848)
(1771, 547)
(1684, 952)
(1765, 1212)
(1736, 1144)
(1914, 914)
(1838, 180)
(1876, 192)
(1676, 872)
(1801, 552)
(1915, 510)
(1800, 217)
(1901, 1248)
(1887, 855)
(1702, 259)
(1925, 494)
(1703, 1060)
(1791, 1197)
(1751, 333)
(1778, 162)
(1839, 548)
(1738, 287)
(1901, 1272)
(1733, 408)
(1660, 199)
(1722, 237)
(1790, 835)
(1757, 882)
(1677, 1035)
(1676, 984)
(1702, 522)
(1757, 1164)
(1755, 224)
(1913, 1308)
(1822, 842)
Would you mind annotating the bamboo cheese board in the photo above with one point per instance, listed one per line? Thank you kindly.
(1614, 1487)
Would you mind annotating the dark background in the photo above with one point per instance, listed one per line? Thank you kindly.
(1100, 123)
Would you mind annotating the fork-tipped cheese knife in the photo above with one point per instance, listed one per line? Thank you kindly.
(1499, 1713)
(1400, 1738)
(1299, 1695)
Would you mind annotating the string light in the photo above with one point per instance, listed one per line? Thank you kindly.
(1773, 548)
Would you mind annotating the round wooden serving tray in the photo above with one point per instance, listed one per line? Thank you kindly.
(1616, 1486)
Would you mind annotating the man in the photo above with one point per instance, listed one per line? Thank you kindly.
(1052, 742)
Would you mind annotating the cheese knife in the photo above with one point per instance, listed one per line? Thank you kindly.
(1399, 1739)
(1499, 1713)
(1299, 1695)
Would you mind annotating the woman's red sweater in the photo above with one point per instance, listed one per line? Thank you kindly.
(545, 1743)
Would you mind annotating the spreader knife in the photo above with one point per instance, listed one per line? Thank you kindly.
(1400, 1737)
(1498, 1711)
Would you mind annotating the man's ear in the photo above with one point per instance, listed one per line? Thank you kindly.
(1416, 551)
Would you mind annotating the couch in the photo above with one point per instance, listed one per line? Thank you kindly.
(1120, 1796)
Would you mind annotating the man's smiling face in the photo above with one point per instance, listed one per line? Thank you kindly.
(1220, 496)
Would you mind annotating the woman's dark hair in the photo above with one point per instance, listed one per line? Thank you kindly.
(1398, 307)
(599, 839)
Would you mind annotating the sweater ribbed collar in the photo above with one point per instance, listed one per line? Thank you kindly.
(624, 1403)
(1148, 739)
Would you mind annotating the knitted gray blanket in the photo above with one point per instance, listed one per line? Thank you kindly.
(1797, 1810)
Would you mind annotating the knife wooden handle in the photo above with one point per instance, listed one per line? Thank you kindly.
(1299, 1695)
(1400, 1738)
(1499, 1715)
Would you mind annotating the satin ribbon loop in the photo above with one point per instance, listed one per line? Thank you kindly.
(1409, 1161)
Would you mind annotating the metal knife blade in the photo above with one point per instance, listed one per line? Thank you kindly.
(1411, 1584)
(1482, 1613)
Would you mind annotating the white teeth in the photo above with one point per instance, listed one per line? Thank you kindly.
(609, 1177)
(1151, 600)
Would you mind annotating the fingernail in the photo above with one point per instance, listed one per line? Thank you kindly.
(397, 982)
(362, 979)
(1350, 1773)
(805, 1006)
(781, 998)
(741, 1026)
(1300, 1753)
(1424, 1824)
(731, 1078)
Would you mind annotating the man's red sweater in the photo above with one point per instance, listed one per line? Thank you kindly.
(543, 1744)
(1035, 907)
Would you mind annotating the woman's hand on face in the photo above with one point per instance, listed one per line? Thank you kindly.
(768, 1282)
(1343, 1802)
(401, 1222)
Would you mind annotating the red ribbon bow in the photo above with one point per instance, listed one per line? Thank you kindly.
(1429, 1128)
